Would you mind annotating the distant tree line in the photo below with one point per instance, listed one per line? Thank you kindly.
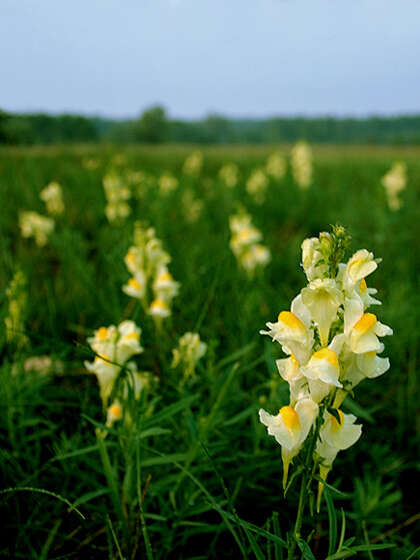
(154, 127)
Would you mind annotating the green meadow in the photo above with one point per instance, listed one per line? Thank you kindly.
(195, 475)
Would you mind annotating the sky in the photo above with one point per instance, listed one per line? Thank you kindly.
(240, 58)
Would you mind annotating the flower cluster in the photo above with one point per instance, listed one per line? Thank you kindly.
(257, 185)
(37, 226)
(53, 197)
(245, 245)
(394, 182)
(147, 262)
(332, 343)
(193, 163)
(113, 347)
(189, 351)
(301, 160)
(192, 206)
(276, 166)
(167, 183)
(229, 174)
(116, 194)
(17, 303)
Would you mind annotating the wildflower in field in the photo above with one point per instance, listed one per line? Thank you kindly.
(167, 183)
(116, 194)
(151, 279)
(257, 185)
(301, 161)
(290, 428)
(338, 432)
(332, 343)
(276, 166)
(245, 245)
(114, 413)
(229, 174)
(192, 206)
(17, 298)
(113, 346)
(189, 351)
(193, 164)
(394, 182)
(37, 226)
(43, 365)
(52, 195)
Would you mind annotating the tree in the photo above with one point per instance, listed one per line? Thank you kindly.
(152, 126)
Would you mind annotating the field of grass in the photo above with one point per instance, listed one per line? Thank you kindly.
(196, 474)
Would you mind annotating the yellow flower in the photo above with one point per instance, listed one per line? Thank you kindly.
(290, 428)
(53, 198)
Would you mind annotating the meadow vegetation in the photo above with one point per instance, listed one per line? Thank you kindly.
(193, 473)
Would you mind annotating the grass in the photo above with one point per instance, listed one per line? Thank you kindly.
(196, 476)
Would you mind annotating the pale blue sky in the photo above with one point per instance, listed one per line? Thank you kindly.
(236, 57)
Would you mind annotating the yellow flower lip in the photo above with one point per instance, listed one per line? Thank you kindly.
(102, 333)
(158, 303)
(290, 417)
(165, 277)
(334, 423)
(133, 334)
(364, 324)
(130, 257)
(290, 320)
(134, 283)
(102, 357)
(115, 411)
(363, 286)
(326, 354)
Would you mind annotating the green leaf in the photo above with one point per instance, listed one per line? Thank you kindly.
(332, 518)
(306, 551)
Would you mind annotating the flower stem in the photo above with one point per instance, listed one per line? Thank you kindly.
(304, 487)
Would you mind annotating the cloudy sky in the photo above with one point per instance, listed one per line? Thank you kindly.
(235, 57)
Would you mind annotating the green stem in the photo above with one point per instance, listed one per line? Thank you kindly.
(305, 486)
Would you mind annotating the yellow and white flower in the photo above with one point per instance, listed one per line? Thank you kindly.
(159, 308)
(114, 413)
(312, 259)
(128, 343)
(394, 182)
(290, 427)
(167, 183)
(362, 329)
(322, 298)
(276, 166)
(301, 161)
(229, 174)
(136, 286)
(257, 185)
(37, 226)
(189, 351)
(293, 333)
(360, 265)
(193, 163)
(53, 197)
(106, 373)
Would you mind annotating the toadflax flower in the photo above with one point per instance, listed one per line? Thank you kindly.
(52, 195)
(257, 185)
(245, 245)
(332, 342)
(394, 182)
(290, 428)
(151, 279)
(276, 166)
(37, 226)
(189, 351)
(113, 346)
(301, 161)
